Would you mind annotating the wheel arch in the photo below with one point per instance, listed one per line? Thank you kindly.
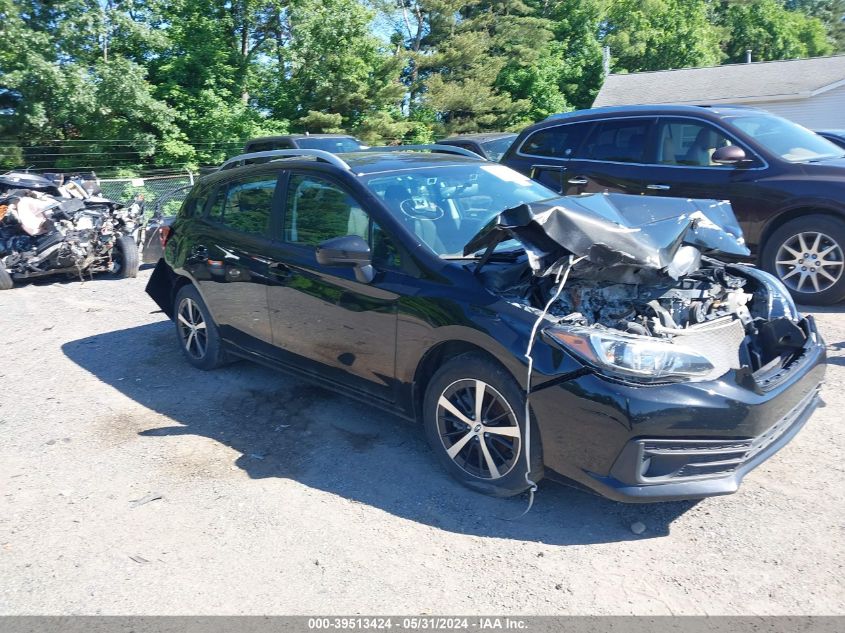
(792, 214)
(445, 350)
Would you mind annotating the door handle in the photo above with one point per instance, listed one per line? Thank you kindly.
(578, 180)
(658, 187)
(198, 254)
(278, 269)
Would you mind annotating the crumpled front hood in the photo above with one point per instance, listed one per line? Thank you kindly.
(615, 229)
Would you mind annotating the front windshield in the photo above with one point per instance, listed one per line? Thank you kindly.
(446, 206)
(788, 140)
(334, 144)
(495, 149)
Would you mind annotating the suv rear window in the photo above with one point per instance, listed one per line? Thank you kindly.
(555, 142)
(622, 141)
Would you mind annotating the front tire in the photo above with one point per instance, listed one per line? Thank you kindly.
(198, 336)
(808, 255)
(473, 413)
(125, 258)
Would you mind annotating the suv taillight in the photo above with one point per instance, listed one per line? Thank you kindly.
(164, 235)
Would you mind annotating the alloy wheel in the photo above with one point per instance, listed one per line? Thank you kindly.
(809, 262)
(478, 429)
(192, 329)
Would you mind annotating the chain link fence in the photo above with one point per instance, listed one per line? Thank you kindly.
(163, 193)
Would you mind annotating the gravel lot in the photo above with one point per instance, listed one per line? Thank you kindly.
(277, 497)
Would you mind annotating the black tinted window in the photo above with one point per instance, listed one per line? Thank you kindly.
(555, 142)
(194, 203)
(621, 141)
(245, 205)
(330, 144)
(267, 146)
(496, 149)
(318, 210)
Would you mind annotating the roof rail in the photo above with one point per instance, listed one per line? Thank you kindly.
(432, 147)
(282, 153)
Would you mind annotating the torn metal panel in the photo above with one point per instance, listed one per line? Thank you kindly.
(617, 229)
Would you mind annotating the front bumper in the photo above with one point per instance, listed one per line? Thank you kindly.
(678, 441)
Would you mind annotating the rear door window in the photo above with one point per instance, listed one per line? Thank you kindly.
(618, 140)
(689, 143)
(556, 142)
(246, 204)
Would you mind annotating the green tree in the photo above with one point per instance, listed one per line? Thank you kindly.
(660, 34)
(71, 88)
(771, 31)
(831, 13)
(333, 64)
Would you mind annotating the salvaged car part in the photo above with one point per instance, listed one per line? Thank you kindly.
(48, 229)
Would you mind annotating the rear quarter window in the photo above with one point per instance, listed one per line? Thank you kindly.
(194, 202)
(555, 142)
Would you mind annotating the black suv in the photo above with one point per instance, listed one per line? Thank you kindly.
(458, 292)
(489, 145)
(785, 183)
(327, 142)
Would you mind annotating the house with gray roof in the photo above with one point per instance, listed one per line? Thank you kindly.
(808, 91)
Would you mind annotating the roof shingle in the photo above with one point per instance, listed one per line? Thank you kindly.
(722, 84)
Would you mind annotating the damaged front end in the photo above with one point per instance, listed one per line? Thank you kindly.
(48, 229)
(646, 301)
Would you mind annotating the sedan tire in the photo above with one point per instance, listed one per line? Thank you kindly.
(125, 258)
(808, 255)
(473, 414)
(198, 336)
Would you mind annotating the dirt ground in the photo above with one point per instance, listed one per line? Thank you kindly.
(276, 497)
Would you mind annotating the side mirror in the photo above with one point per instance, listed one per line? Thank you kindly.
(348, 251)
(729, 155)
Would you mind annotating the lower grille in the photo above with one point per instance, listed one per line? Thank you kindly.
(670, 459)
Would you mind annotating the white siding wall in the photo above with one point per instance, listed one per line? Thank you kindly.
(824, 111)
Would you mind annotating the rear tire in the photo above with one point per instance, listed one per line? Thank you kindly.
(196, 332)
(808, 255)
(6, 281)
(125, 258)
(487, 455)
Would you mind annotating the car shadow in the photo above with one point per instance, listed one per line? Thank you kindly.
(65, 279)
(285, 427)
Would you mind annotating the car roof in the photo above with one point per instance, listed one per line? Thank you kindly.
(284, 137)
(361, 163)
(703, 110)
(479, 136)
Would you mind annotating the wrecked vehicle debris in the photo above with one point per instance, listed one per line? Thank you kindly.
(460, 293)
(643, 283)
(48, 229)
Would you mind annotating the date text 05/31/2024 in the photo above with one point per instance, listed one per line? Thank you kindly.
(417, 623)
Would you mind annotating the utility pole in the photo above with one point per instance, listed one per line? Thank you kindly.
(105, 32)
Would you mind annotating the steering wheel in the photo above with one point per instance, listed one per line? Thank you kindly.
(421, 209)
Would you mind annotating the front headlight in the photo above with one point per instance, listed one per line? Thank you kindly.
(632, 355)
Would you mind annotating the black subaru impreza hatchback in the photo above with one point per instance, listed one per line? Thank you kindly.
(593, 339)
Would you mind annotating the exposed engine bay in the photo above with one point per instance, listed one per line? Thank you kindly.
(47, 229)
(639, 295)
